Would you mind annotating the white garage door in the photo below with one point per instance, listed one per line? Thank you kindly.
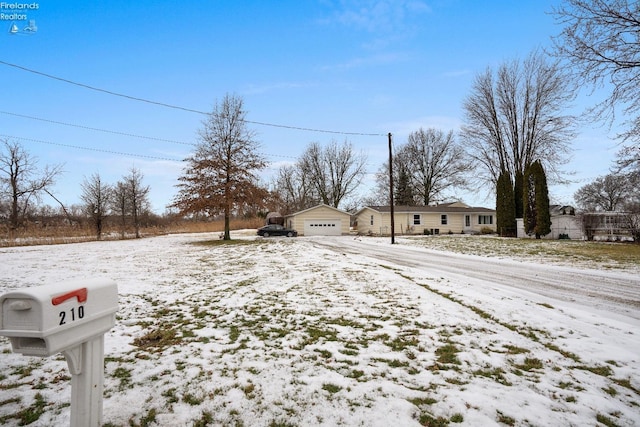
(323, 227)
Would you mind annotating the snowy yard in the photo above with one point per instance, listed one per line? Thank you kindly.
(336, 331)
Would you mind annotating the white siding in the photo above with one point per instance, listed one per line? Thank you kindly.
(321, 214)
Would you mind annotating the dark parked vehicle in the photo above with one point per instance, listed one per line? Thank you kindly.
(276, 230)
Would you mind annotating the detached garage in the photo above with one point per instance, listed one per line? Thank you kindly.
(321, 220)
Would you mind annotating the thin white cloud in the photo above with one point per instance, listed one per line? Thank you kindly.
(367, 61)
(377, 16)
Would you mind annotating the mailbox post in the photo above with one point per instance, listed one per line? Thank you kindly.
(71, 319)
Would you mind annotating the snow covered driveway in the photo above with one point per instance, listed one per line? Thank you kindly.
(613, 291)
(336, 331)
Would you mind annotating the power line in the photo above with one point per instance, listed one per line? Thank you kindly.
(120, 153)
(118, 133)
(190, 110)
(100, 150)
(96, 129)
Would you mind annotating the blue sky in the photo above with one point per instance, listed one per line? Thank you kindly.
(368, 67)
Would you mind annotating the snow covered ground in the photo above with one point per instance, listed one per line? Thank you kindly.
(336, 331)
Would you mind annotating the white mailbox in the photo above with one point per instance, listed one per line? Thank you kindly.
(45, 320)
(70, 318)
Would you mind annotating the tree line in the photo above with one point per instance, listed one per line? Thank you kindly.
(23, 185)
(127, 200)
(515, 136)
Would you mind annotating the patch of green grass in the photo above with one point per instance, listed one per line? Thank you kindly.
(626, 383)
(205, 420)
(158, 339)
(455, 381)
(315, 334)
(564, 385)
(33, 412)
(603, 371)
(146, 420)
(496, 374)
(512, 349)
(393, 363)
(170, 394)
(124, 375)
(565, 353)
(249, 390)
(429, 420)
(402, 342)
(447, 354)
(23, 371)
(613, 255)
(234, 333)
(10, 400)
(530, 364)
(192, 399)
(504, 419)
(456, 418)
(349, 352)
(603, 419)
(280, 423)
(324, 353)
(356, 373)
(420, 401)
(331, 388)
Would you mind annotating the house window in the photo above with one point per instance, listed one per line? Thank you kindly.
(416, 219)
(467, 220)
(443, 219)
(485, 219)
(371, 223)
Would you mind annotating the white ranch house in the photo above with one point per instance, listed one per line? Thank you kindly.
(456, 217)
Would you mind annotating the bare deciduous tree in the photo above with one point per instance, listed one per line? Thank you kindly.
(606, 193)
(600, 44)
(436, 163)
(514, 118)
(295, 189)
(21, 180)
(220, 176)
(334, 171)
(96, 196)
(138, 196)
(120, 205)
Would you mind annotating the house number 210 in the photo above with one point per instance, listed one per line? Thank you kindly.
(75, 314)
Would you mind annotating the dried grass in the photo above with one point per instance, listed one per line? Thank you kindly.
(36, 235)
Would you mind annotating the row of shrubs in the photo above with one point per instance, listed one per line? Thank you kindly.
(429, 232)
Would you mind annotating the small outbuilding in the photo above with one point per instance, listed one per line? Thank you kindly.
(564, 224)
(321, 220)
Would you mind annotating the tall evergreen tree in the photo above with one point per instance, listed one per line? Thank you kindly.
(404, 190)
(505, 206)
(543, 219)
(537, 219)
(518, 192)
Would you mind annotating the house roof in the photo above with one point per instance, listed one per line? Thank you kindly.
(555, 210)
(441, 208)
(321, 205)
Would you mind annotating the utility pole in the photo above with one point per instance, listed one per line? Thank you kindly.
(393, 231)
